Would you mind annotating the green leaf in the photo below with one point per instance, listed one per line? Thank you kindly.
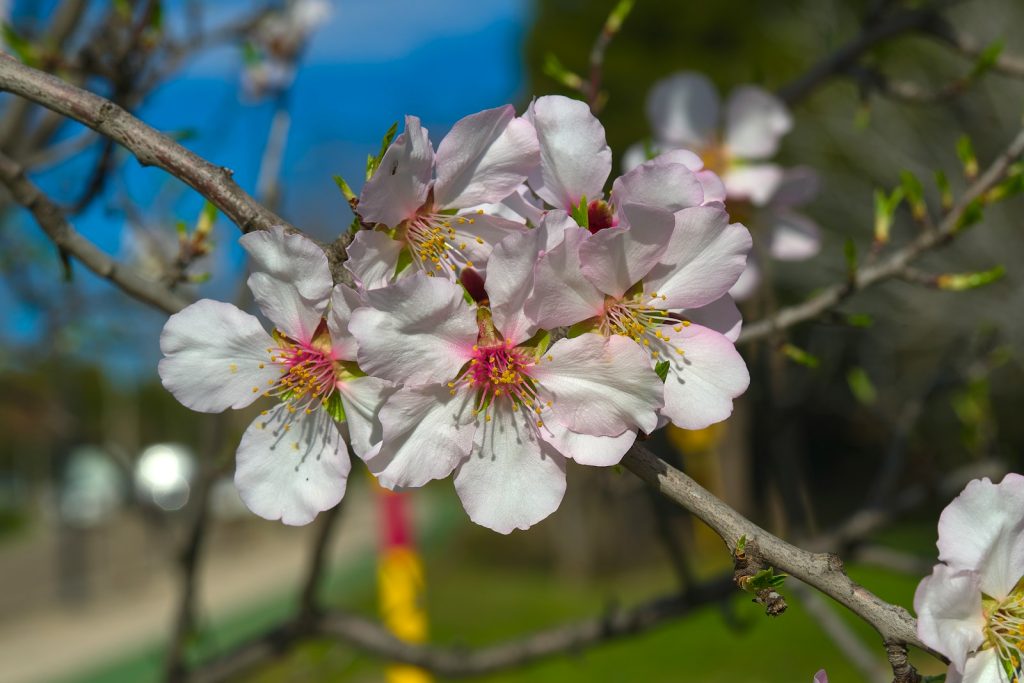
(618, 16)
(885, 209)
(859, 320)
(580, 214)
(22, 48)
(206, 220)
(914, 193)
(404, 261)
(741, 545)
(766, 579)
(959, 282)
(850, 254)
(937, 678)
(661, 369)
(554, 68)
(861, 386)
(965, 151)
(972, 215)
(800, 357)
(346, 191)
(539, 342)
(945, 193)
(987, 59)
(384, 144)
(581, 327)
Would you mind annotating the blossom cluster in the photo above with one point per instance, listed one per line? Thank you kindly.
(507, 316)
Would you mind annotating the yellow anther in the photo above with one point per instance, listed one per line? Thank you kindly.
(480, 212)
(255, 390)
(686, 323)
(262, 366)
(295, 445)
(479, 240)
(233, 368)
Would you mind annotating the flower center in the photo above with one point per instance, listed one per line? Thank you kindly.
(497, 373)
(308, 371)
(437, 244)
(715, 158)
(1005, 632)
(600, 216)
(631, 317)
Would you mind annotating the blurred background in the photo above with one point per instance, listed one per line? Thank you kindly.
(103, 475)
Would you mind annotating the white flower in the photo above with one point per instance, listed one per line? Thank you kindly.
(292, 462)
(971, 608)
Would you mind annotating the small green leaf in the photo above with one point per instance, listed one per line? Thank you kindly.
(741, 545)
(914, 193)
(346, 191)
(859, 320)
(945, 193)
(861, 386)
(22, 48)
(972, 215)
(554, 68)
(965, 151)
(206, 220)
(618, 16)
(850, 254)
(987, 59)
(959, 282)
(661, 369)
(766, 579)
(800, 357)
(581, 214)
(885, 209)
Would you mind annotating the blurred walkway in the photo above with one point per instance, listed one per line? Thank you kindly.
(245, 564)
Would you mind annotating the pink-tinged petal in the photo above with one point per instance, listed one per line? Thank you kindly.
(949, 614)
(690, 160)
(290, 280)
(215, 355)
(427, 432)
(683, 110)
(667, 186)
(344, 300)
(713, 187)
(586, 449)
(721, 315)
(599, 386)
(821, 677)
(417, 331)
(484, 158)
(362, 398)
(373, 258)
(756, 183)
(704, 379)
(799, 186)
(983, 530)
(748, 282)
(562, 295)
(510, 278)
(617, 258)
(704, 258)
(513, 479)
(755, 121)
(476, 240)
(575, 159)
(400, 185)
(525, 204)
(982, 667)
(793, 236)
(291, 466)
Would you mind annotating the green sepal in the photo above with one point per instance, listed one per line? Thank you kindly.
(580, 214)
(373, 162)
(661, 369)
(582, 327)
(404, 260)
(346, 191)
(538, 343)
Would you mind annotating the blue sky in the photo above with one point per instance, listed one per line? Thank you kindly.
(372, 63)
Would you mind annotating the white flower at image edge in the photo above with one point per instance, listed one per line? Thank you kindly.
(971, 608)
(292, 462)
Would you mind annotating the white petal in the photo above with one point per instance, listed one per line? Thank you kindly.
(513, 479)
(683, 109)
(755, 121)
(417, 331)
(713, 187)
(510, 281)
(344, 300)
(617, 258)
(291, 474)
(655, 183)
(290, 280)
(599, 386)
(373, 258)
(362, 398)
(213, 357)
(484, 158)
(490, 229)
(982, 667)
(575, 159)
(983, 530)
(704, 379)
(562, 295)
(586, 449)
(949, 615)
(427, 432)
(721, 315)
(702, 261)
(794, 237)
(400, 185)
(756, 183)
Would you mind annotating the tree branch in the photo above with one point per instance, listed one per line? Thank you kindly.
(52, 221)
(896, 263)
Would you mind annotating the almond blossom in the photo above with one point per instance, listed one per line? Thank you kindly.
(971, 608)
(735, 141)
(485, 400)
(292, 461)
(660, 281)
(415, 196)
(281, 37)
